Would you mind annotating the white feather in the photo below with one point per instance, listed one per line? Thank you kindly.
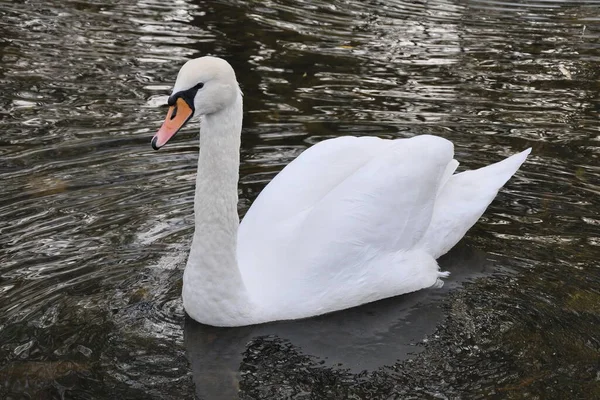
(350, 221)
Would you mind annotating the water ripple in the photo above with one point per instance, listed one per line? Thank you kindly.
(95, 227)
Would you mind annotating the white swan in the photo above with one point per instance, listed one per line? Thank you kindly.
(350, 221)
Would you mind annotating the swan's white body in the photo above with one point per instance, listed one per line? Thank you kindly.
(350, 221)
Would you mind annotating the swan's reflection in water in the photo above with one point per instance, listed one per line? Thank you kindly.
(361, 338)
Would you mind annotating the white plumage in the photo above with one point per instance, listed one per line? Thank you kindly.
(350, 221)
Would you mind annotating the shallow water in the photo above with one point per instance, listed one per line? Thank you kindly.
(95, 226)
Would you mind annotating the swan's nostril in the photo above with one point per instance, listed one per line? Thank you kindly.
(174, 113)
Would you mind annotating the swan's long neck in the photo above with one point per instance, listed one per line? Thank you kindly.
(213, 289)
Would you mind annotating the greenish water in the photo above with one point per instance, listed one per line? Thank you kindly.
(95, 226)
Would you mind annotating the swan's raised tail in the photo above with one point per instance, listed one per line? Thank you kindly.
(463, 199)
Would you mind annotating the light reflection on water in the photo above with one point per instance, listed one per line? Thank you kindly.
(95, 226)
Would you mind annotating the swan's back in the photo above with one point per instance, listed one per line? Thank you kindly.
(354, 220)
(337, 210)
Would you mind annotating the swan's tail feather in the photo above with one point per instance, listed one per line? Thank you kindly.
(450, 169)
(463, 199)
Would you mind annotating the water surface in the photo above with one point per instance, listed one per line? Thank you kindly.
(95, 226)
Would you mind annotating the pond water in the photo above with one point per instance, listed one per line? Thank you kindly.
(95, 225)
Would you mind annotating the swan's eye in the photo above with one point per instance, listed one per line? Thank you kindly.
(199, 86)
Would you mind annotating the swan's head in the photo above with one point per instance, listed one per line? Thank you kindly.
(205, 85)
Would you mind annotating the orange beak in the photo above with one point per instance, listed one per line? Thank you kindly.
(177, 116)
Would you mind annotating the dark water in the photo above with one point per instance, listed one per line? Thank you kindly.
(95, 226)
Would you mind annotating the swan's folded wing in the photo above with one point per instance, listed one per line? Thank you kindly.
(273, 220)
(382, 203)
(386, 205)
